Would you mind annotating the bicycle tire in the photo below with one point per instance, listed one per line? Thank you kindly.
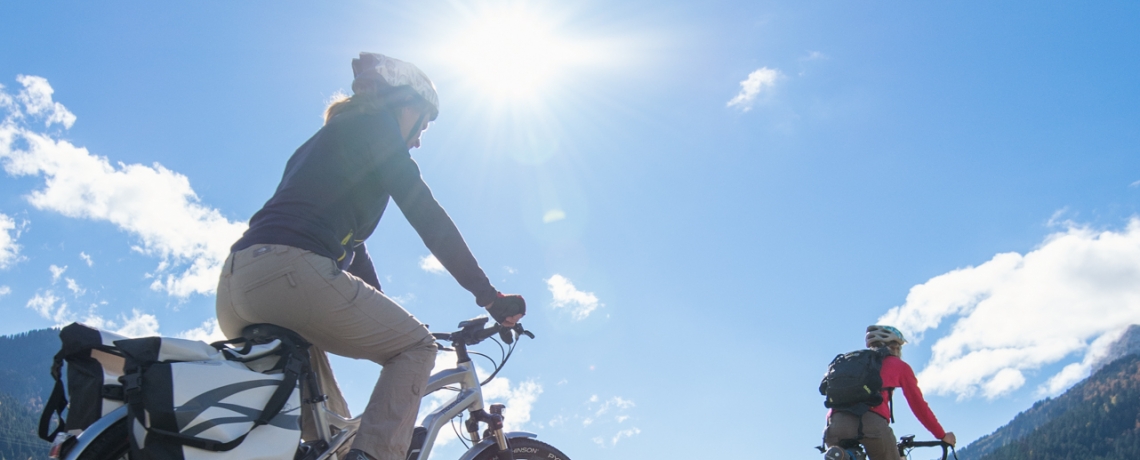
(111, 444)
(524, 449)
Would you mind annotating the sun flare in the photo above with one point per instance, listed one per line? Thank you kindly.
(513, 53)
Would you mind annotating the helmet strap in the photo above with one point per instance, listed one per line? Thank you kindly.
(415, 128)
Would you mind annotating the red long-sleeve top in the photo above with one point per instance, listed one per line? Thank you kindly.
(897, 374)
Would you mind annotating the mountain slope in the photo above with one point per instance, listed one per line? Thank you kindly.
(18, 423)
(1098, 418)
(25, 383)
(25, 365)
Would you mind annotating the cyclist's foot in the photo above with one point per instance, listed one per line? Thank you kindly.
(835, 453)
(357, 454)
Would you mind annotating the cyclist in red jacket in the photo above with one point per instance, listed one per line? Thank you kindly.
(878, 438)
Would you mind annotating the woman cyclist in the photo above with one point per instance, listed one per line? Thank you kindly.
(302, 264)
(878, 438)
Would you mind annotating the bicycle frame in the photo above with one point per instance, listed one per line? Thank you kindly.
(468, 398)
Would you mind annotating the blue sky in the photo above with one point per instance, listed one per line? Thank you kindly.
(702, 202)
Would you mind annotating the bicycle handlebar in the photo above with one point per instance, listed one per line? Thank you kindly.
(908, 442)
(472, 332)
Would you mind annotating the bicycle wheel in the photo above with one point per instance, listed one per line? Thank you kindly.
(112, 444)
(524, 449)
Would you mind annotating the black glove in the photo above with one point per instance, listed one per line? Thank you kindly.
(506, 306)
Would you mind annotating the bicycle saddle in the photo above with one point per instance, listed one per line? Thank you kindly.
(265, 333)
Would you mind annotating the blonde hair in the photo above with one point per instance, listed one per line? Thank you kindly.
(372, 102)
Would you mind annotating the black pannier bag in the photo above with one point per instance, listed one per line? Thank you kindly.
(91, 365)
(190, 400)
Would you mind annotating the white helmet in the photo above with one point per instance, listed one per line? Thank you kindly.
(377, 73)
(883, 334)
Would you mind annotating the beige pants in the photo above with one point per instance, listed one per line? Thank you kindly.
(341, 314)
(878, 438)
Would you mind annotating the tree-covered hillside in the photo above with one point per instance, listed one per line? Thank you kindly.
(25, 383)
(1098, 419)
(25, 365)
(18, 423)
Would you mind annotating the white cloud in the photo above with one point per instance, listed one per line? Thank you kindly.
(86, 258)
(1135, 184)
(56, 310)
(7, 102)
(814, 56)
(1018, 313)
(50, 307)
(209, 332)
(553, 215)
(430, 264)
(518, 399)
(579, 303)
(36, 97)
(5, 290)
(152, 203)
(56, 272)
(9, 250)
(1075, 372)
(627, 433)
(74, 287)
(750, 88)
(403, 299)
(616, 402)
(138, 325)
(617, 405)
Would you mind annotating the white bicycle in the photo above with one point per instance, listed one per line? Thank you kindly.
(106, 439)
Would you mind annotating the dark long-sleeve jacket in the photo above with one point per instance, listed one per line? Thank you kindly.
(335, 190)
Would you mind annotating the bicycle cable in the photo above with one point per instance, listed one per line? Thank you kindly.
(506, 357)
(488, 358)
(456, 430)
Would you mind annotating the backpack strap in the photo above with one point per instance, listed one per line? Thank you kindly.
(891, 402)
(56, 403)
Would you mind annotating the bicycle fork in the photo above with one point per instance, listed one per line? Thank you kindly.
(494, 421)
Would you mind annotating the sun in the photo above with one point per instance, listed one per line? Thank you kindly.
(513, 52)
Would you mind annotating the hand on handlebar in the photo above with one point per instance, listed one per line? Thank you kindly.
(507, 309)
(949, 438)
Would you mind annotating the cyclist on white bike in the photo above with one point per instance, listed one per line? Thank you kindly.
(303, 264)
(874, 425)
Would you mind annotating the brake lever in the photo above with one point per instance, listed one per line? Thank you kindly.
(519, 329)
(506, 335)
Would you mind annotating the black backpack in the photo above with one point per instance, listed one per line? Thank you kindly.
(853, 382)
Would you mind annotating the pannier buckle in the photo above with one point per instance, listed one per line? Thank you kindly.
(132, 384)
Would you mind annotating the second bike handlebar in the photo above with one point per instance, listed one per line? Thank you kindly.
(908, 442)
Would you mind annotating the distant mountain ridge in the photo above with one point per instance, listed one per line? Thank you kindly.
(25, 383)
(1098, 418)
(1127, 344)
(25, 365)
